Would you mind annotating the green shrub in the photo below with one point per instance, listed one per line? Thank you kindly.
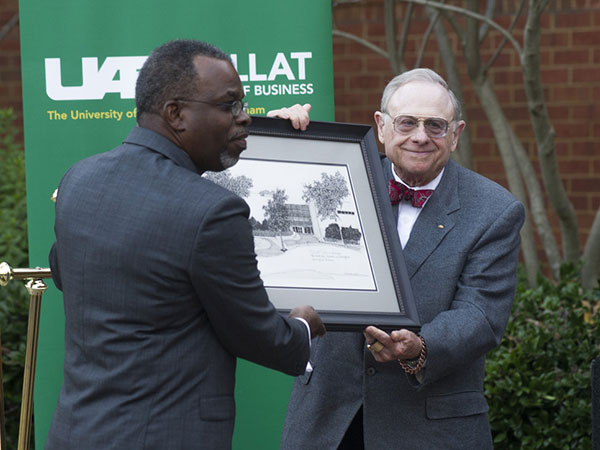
(14, 299)
(538, 382)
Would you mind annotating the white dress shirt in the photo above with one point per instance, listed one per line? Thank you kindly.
(407, 213)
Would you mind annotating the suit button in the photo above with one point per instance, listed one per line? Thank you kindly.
(371, 371)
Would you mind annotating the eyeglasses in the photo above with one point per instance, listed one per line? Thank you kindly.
(236, 106)
(435, 127)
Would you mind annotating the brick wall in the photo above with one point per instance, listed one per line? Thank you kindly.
(10, 60)
(570, 56)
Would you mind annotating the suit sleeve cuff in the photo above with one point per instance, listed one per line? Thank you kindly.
(308, 365)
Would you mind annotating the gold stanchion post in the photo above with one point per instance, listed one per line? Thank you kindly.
(36, 288)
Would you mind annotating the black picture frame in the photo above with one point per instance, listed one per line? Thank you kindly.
(349, 300)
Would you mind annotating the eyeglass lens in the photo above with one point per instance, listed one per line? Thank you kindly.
(238, 106)
(434, 127)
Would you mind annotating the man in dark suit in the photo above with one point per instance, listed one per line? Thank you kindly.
(460, 235)
(158, 271)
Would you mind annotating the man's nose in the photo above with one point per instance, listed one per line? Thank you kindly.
(243, 118)
(419, 133)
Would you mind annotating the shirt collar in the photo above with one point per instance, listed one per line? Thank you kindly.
(431, 185)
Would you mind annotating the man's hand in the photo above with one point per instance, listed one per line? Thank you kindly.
(400, 344)
(297, 114)
(312, 317)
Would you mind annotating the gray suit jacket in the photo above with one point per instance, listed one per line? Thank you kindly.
(461, 258)
(161, 294)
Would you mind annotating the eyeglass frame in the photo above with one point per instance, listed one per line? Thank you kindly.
(419, 119)
(234, 104)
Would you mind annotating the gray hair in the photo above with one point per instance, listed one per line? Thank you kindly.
(420, 74)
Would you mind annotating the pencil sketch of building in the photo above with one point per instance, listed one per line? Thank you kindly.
(305, 220)
(301, 219)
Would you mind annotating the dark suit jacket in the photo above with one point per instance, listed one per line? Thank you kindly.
(161, 294)
(461, 258)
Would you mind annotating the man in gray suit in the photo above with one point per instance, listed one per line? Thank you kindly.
(158, 271)
(460, 235)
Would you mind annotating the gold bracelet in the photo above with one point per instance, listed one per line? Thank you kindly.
(409, 368)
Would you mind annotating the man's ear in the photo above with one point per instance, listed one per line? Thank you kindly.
(380, 123)
(460, 127)
(173, 115)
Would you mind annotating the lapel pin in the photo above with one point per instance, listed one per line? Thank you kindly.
(441, 227)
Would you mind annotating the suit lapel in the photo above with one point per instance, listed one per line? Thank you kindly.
(434, 222)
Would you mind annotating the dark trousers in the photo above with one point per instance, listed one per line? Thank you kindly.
(354, 439)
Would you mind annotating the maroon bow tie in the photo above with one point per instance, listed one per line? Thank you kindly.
(399, 192)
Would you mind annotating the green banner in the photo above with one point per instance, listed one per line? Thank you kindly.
(79, 63)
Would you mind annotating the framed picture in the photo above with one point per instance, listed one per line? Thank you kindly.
(323, 226)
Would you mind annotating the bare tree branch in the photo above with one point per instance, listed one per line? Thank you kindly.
(403, 38)
(455, 26)
(591, 256)
(544, 133)
(490, 6)
(471, 47)
(529, 251)
(433, 19)
(361, 41)
(507, 147)
(463, 153)
(502, 133)
(492, 60)
(389, 8)
(469, 13)
(536, 204)
(537, 7)
(9, 26)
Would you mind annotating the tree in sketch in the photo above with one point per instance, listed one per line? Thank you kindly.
(277, 215)
(239, 185)
(328, 194)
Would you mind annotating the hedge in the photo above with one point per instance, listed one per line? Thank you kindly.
(538, 382)
(14, 299)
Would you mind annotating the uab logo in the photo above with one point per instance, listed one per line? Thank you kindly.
(116, 75)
